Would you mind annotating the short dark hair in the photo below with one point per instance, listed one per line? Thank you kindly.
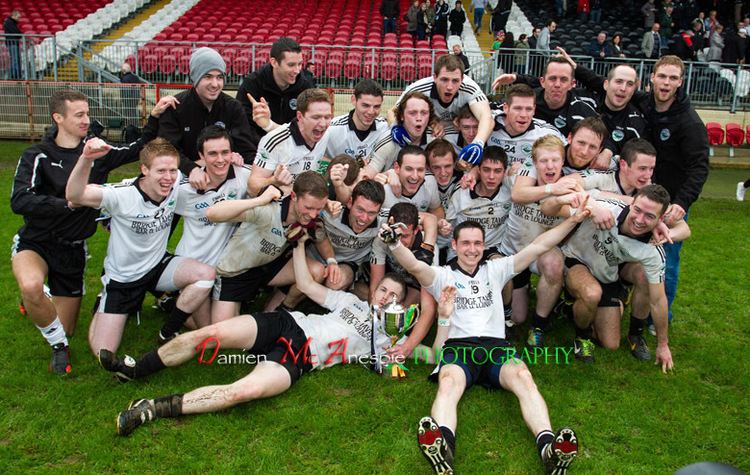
(559, 60)
(494, 153)
(549, 21)
(284, 45)
(465, 113)
(213, 132)
(310, 183)
(308, 96)
(370, 190)
(450, 62)
(635, 146)
(594, 124)
(519, 90)
(399, 280)
(58, 98)
(368, 87)
(405, 213)
(410, 150)
(655, 193)
(612, 70)
(440, 147)
(351, 173)
(467, 225)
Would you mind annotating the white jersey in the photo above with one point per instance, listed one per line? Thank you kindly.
(603, 181)
(445, 193)
(478, 309)
(425, 198)
(385, 151)
(202, 239)
(344, 138)
(518, 147)
(525, 222)
(468, 93)
(603, 251)
(285, 146)
(257, 241)
(346, 329)
(349, 246)
(139, 229)
(382, 255)
(491, 212)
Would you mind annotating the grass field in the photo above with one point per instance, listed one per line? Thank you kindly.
(630, 418)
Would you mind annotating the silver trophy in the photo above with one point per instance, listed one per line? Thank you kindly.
(395, 321)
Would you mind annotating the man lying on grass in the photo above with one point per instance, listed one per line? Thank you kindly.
(293, 344)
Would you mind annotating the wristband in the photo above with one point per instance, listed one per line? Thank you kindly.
(428, 247)
(444, 322)
(394, 245)
(332, 261)
(548, 189)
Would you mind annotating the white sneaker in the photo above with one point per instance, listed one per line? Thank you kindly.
(740, 191)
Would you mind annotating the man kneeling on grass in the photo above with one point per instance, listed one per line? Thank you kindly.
(478, 321)
(293, 344)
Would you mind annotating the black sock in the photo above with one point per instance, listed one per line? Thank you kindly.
(168, 406)
(542, 439)
(508, 311)
(583, 333)
(450, 438)
(149, 363)
(176, 320)
(541, 322)
(637, 325)
(747, 183)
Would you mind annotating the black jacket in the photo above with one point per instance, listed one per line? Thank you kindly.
(282, 104)
(623, 125)
(10, 27)
(39, 187)
(389, 9)
(681, 143)
(182, 126)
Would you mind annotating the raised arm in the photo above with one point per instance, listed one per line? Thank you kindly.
(424, 274)
(305, 282)
(78, 191)
(234, 210)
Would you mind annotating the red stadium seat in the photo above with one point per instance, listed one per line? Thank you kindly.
(353, 66)
(715, 135)
(408, 68)
(149, 63)
(241, 65)
(735, 137)
(388, 67)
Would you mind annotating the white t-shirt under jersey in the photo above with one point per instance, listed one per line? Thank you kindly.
(344, 138)
(478, 309)
(139, 229)
(202, 239)
(349, 323)
(285, 146)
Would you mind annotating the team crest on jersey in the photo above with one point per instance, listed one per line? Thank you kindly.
(618, 135)
(526, 148)
(232, 195)
(459, 286)
(664, 135)
(293, 104)
(220, 124)
(276, 231)
(171, 203)
(560, 122)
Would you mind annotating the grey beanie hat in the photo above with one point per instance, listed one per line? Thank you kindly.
(204, 60)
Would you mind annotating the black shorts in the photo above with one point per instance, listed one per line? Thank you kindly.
(481, 359)
(244, 287)
(127, 297)
(272, 327)
(492, 252)
(66, 264)
(614, 294)
(522, 279)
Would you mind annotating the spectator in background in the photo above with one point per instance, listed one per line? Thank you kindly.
(13, 42)
(533, 39)
(478, 14)
(716, 47)
(699, 41)
(712, 22)
(545, 36)
(599, 48)
(441, 18)
(308, 74)
(499, 38)
(666, 22)
(500, 15)
(584, 8)
(683, 45)
(521, 56)
(649, 13)
(735, 48)
(506, 56)
(390, 11)
(129, 95)
(458, 52)
(457, 18)
(701, 19)
(615, 46)
(425, 20)
(652, 43)
(596, 11)
(412, 19)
